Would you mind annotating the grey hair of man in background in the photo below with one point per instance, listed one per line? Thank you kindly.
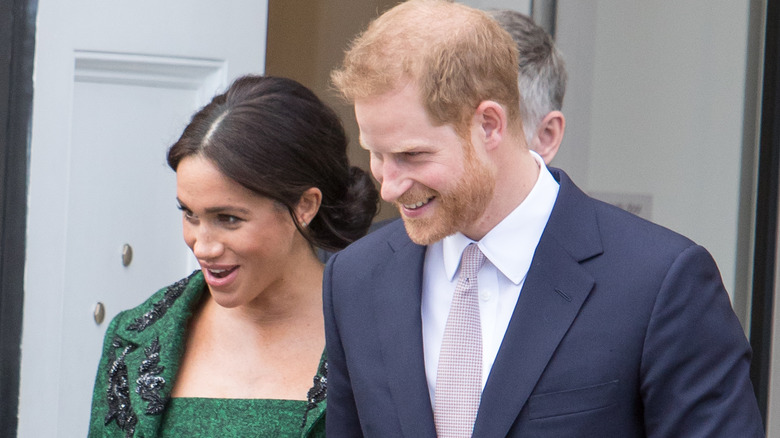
(542, 82)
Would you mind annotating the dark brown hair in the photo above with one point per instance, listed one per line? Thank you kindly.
(275, 137)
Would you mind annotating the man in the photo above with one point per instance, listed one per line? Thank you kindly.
(566, 317)
(542, 82)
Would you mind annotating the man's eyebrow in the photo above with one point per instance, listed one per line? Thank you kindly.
(401, 148)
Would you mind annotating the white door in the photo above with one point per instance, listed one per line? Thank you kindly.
(115, 84)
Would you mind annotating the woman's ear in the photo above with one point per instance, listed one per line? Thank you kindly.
(308, 205)
(549, 135)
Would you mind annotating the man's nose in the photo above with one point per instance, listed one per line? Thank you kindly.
(394, 180)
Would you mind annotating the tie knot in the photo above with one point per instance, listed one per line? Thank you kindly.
(471, 261)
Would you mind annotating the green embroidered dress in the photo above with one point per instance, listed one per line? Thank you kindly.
(193, 417)
(141, 356)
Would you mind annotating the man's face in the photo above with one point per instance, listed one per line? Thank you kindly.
(430, 173)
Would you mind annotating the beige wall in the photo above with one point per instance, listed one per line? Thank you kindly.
(306, 40)
(656, 107)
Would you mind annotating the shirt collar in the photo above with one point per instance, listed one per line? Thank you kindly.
(511, 244)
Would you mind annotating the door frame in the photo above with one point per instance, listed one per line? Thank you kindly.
(766, 223)
(17, 47)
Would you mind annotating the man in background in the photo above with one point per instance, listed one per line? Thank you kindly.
(542, 82)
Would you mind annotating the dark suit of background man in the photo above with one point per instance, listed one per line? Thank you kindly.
(592, 322)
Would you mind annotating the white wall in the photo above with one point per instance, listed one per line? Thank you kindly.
(523, 6)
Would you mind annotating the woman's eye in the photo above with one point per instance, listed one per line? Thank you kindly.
(187, 213)
(229, 219)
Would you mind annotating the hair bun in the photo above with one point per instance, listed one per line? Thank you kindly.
(350, 219)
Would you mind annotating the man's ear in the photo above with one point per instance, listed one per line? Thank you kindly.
(549, 135)
(308, 205)
(491, 119)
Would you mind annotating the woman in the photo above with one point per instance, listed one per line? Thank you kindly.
(262, 180)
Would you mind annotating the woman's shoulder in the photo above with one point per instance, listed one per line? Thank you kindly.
(141, 354)
(177, 297)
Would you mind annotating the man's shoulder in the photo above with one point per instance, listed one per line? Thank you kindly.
(382, 231)
(574, 207)
(378, 247)
(390, 232)
(622, 226)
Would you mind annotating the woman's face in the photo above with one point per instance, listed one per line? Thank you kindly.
(243, 241)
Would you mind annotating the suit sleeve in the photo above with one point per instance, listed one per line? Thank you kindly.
(696, 360)
(342, 417)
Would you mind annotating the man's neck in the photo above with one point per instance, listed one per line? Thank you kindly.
(515, 178)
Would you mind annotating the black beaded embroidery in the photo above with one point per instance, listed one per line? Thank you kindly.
(118, 392)
(318, 392)
(159, 308)
(150, 383)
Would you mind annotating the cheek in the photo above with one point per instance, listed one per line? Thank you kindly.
(441, 178)
(264, 240)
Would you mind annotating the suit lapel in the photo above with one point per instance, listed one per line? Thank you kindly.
(555, 289)
(397, 300)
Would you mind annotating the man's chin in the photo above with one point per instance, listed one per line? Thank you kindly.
(425, 232)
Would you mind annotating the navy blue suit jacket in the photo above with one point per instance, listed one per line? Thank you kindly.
(622, 329)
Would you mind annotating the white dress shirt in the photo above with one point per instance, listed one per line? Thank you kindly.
(509, 248)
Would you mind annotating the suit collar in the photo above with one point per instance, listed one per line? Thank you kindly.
(573, 222)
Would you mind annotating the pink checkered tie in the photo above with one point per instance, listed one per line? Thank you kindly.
(459, 375)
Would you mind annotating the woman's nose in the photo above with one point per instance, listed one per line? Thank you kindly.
(206, 246)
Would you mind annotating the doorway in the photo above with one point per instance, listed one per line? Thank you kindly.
(17, 39)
